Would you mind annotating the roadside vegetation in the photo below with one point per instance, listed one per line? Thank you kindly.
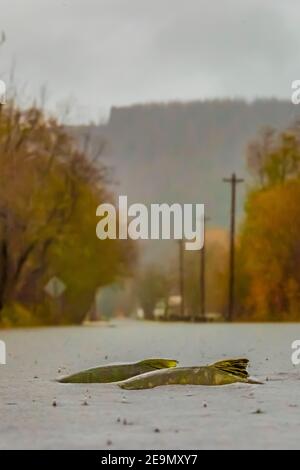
(49, 191)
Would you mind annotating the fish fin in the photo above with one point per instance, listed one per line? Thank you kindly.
(159, 363)
(236, 367)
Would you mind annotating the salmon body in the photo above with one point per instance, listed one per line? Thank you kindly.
(220, 373)
(118, 372)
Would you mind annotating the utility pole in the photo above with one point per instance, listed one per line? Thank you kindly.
(202, 275)
(233, 180)
(181, 277)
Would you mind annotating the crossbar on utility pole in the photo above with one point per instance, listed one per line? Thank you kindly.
(233, 180)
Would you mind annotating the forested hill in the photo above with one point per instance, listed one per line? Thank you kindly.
(179, 152)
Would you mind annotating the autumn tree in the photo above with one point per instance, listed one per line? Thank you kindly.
(216, 267)
(49, 191)
(268, 252)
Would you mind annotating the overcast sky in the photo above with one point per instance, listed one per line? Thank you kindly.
(96, 54)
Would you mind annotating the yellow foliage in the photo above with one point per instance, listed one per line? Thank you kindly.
(49, 192)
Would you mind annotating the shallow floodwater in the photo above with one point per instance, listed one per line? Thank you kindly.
(173, 417)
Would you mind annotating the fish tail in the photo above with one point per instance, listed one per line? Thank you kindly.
(237, 367)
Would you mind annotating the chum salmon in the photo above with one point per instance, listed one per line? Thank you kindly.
(220, 373)
(118, 372)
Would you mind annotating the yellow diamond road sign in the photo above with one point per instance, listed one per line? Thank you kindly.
(55, 287)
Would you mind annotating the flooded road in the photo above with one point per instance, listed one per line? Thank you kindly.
(174, 417)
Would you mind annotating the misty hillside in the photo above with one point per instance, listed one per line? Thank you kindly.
(179, 152)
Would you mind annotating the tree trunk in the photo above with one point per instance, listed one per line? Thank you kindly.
(3, 273)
